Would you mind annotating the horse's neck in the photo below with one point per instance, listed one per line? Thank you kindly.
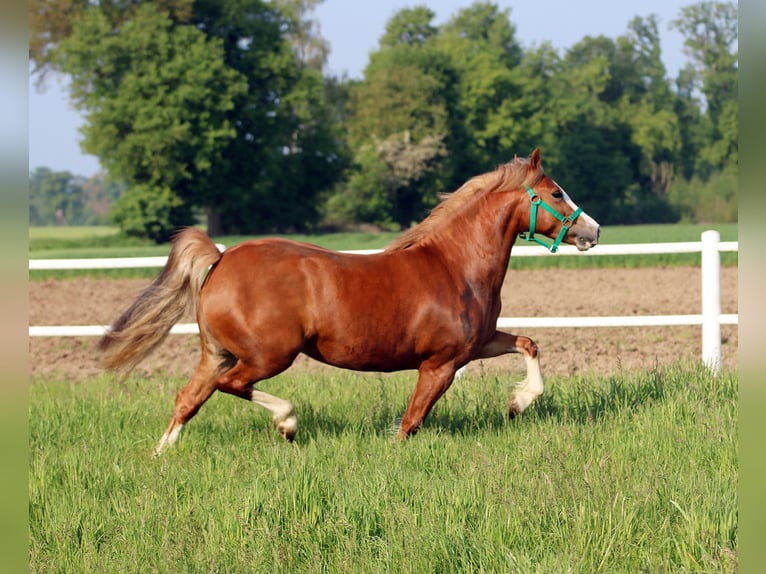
(480, 240)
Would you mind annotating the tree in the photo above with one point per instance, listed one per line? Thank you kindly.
(410, 171)
(51, 21)
(156, 98)
(303, 33)
(489, 107)
(397, 125)
(287, 149)
(221, 105)
(647, 105)
(445, 96)
(395, 100)
(100, 194)
(711, 36)
(390, 183)
(148, 212)
(61, 198)
(55, 198)
(592, 150)
(409, 27)
(707, 111)
(693, 125)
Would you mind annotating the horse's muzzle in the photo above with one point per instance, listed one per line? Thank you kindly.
(586, 240)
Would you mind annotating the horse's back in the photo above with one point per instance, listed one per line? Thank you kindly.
(308, 276)
(297, 283)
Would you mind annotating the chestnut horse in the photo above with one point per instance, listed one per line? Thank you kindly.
(429, 301)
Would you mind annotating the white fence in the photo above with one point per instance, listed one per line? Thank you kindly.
(710, 317)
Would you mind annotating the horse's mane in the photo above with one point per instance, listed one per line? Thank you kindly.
(508, 176)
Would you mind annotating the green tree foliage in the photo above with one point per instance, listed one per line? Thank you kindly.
(55, 198)
(61, 198)
(100, 195)
(709, 200)
(481, 44)
(148, 212)
(409, 27)
(388, 185)
(711, 35)
(287, 148)
(397, 127)
(223, 107)
(156, 98)
(215, 106)
(364, 198)
(708, 113)
(605, 113)
(51, 21)
(617, 127)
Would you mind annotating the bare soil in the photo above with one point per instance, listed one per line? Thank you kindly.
(541, 293)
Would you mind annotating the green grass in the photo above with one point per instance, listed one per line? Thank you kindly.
(71, 232)
(63, 243)
(631, 473)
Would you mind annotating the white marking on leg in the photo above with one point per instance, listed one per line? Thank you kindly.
(168, 439)
(530, 388)
(282, 411)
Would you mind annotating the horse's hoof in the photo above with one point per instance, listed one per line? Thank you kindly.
(287, 434)
(288, 437)
(288, 429)
(287, 424)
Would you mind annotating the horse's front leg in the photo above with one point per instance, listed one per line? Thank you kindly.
(532, 386)
(433, 382)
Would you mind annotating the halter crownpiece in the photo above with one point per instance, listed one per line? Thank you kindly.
(566, 222)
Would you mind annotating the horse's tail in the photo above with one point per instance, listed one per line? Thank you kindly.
(146, 323)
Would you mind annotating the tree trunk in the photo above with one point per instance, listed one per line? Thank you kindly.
(214, 224)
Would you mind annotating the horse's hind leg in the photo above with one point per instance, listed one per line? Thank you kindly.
(532, 386)
(189, 400)
(241, 378)
(282, 411)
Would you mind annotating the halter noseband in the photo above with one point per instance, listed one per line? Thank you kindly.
(566, 222)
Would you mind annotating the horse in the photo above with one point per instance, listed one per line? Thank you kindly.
(428, 302)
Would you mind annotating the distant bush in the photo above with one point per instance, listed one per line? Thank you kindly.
(710, 201)
(152, 213)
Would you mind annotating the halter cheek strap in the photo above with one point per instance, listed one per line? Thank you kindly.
(566, 222)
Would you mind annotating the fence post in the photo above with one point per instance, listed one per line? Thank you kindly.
(711, 300)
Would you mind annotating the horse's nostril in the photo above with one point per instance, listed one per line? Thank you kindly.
(598, 232)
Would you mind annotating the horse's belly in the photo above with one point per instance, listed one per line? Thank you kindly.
(363, 354)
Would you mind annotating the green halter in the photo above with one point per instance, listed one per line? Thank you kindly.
(566, 222)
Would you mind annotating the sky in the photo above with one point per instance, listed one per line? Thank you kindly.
(353, 28)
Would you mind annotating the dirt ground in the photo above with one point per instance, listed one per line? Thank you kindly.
(604, 350)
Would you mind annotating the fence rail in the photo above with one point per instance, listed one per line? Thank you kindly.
(710, 317)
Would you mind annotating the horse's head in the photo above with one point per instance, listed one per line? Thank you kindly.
(553, 214)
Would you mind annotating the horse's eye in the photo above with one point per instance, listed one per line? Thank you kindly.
(557, 194)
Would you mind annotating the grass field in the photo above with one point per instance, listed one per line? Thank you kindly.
(631, 473)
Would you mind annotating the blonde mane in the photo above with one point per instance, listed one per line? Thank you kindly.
(508, 176)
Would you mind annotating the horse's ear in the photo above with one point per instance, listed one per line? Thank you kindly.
(534, 159)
